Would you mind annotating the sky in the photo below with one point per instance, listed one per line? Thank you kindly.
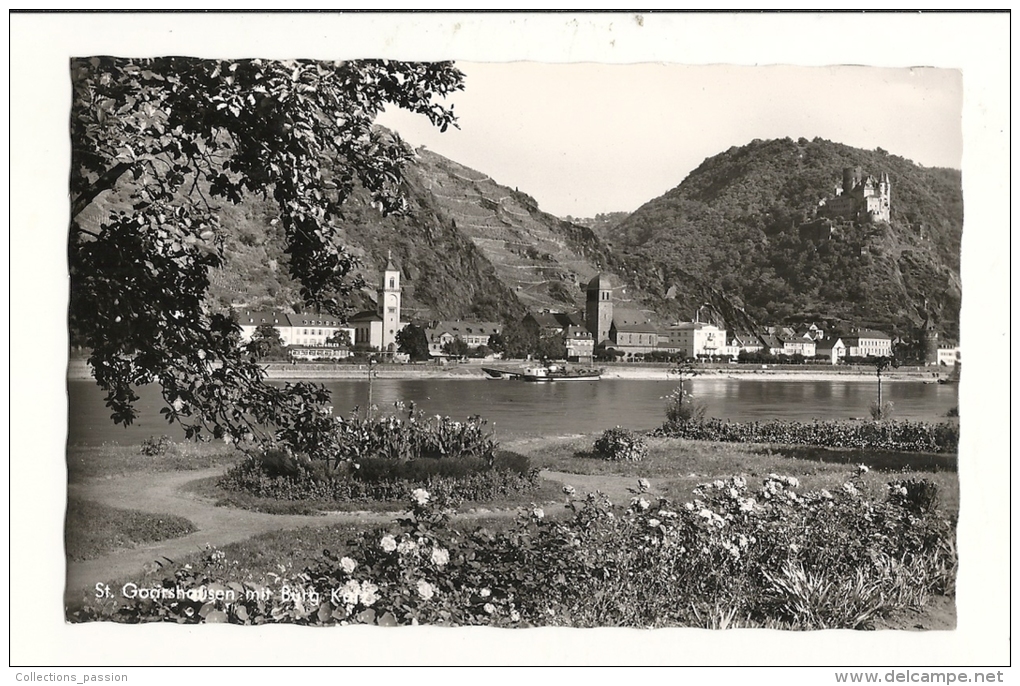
(589, 138)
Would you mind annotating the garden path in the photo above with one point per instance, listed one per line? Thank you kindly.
(166, 493)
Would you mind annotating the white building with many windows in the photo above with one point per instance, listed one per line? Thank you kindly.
(694, 339)
(868, 343)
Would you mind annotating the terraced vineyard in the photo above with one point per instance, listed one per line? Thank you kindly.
(542, 266)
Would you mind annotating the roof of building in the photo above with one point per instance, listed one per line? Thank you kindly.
(463, 328)
(871, 333)
(312, 319)
(599, 282)
(365, 316)
(632, 321)
(259, 317)
(555, 320)
(827, 343)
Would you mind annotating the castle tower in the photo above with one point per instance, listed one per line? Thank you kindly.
(389, 305)
(885, 194)
(851, 178)
(598, 307)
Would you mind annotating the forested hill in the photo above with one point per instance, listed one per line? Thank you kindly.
(735, 221)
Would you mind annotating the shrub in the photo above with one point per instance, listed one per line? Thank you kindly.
(619, 445)
(416, 436)
(154, 446)
(733, 556)
(383, 479)
(880, 412)
(681, 407)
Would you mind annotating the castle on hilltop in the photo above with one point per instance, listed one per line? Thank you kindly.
(860, 199)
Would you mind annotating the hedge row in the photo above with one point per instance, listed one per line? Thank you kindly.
(900, 435)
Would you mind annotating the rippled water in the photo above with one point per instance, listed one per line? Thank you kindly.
(515, 408)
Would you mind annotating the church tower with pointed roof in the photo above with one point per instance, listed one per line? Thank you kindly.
(598, 307)
(389, 304)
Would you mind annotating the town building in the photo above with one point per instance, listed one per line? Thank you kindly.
(474, 334)
(831, 348)
(295, 329)
(868, 343)
(948, 355)
(580, 344)
(860, 199)
(697, 339)
(799, 345)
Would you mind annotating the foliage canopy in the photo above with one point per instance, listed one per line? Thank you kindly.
(157, 145)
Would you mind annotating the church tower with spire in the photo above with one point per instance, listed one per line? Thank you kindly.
(389, 305)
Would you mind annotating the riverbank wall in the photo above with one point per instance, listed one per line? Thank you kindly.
(472, 371)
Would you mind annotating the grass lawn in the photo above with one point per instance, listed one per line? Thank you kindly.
(676, 466)
(107, 461)
(92, 530)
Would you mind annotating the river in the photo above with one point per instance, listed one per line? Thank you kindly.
(514, 408)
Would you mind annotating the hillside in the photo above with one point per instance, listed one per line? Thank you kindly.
(734, 222)
(728, 236)
(468, 248)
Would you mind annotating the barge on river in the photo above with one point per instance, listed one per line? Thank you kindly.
(544, 374)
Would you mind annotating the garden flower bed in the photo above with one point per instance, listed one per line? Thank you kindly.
(732, 556)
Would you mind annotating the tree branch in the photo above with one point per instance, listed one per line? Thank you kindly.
(103, 183)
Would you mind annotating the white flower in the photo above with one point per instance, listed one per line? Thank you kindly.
(742, 541)
(178, 404)
(348, 564)
(538, 513)
(739, 481)
(369, 594)
(485, 593)
(569, 490)
(426, 590)
(490, 608)
(440, 556)
(851, 489)
(388, 543)
(515, 616)
(420, 496)
(406, 546)
(689, 506)
(718, 483)
(654, 523)
(640, 503)
(351, 592)
(644, 484)
(734, 493)
(747, 505)
(862, 469)
(825, 494)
